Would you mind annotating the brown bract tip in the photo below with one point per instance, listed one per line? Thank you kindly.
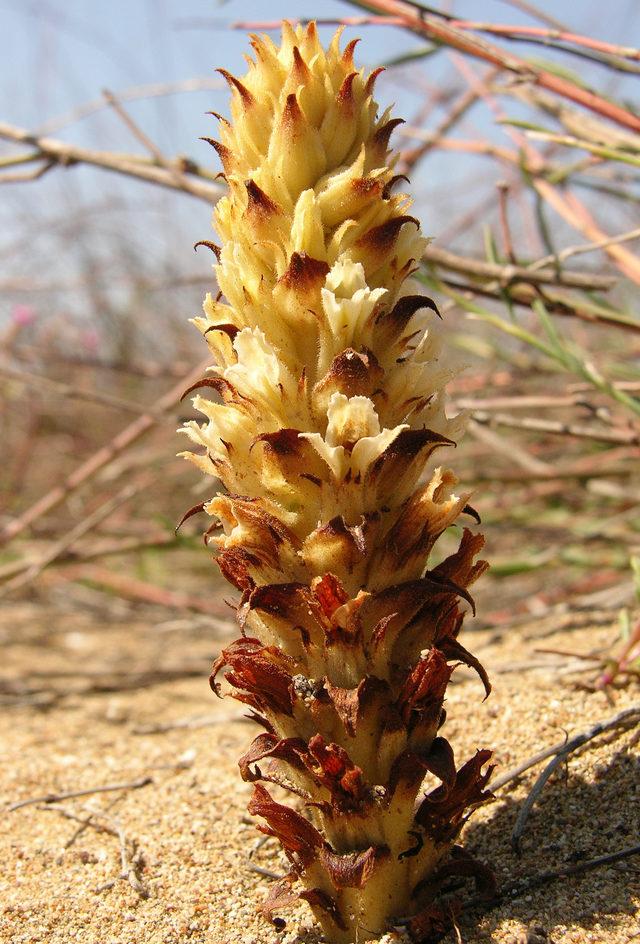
(194, 510)
(245, 95)
(226, 390)
(352, 373)
(300, 69)
(441, 811)
(382, 238)
(350, 703)
(335, 770)
(404, 310)
(330, 594)
(259, 673)
(382, 135)
(304, 273)
(406, 446)
(259, 203)
(284, 442)
(353, 870)
(227, 328)
(296, 833)
(366, 186)
(225, 155)
(388, 187)
(347, 55)
(345, 93)
(292, 115)
(216, 250)
(371, 81)
(423, 689)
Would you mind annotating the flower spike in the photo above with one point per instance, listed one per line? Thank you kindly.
(323, 409)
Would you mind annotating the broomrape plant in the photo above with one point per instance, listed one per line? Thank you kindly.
(330, 402)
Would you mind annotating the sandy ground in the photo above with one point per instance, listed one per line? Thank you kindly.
(75, 717)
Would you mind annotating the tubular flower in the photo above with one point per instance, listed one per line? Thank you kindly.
(329, 383)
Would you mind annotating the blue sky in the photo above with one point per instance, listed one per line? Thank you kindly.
(60, 54)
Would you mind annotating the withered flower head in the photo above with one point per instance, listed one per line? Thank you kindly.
(329, 381)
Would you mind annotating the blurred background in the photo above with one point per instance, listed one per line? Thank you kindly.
(522, 144)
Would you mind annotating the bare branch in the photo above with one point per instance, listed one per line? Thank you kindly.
(131, 165)
(99, 459)
(71, 794)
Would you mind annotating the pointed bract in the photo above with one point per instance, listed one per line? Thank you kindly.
(322, 411)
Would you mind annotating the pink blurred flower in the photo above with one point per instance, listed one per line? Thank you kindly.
(90, 340)
(23, 315)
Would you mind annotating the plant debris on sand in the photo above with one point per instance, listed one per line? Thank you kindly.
(186, 827)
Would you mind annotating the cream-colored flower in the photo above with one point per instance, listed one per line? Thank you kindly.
(328, 402)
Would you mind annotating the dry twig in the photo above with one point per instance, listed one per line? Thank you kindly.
(71, 794)
(559, 752)
(105, 455)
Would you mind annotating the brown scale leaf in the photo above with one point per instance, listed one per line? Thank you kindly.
(463, 865)
(431, 925)
(442, 810)
(319, 899)
(194, 510)
(335, 770)
(355, 869)
(403, 450)
(260, 673)
(304, 274)
(354, 373)
(345, 97)
(336, 541)
(423, 691)
(378, 242)
(260, 205)
(236, 85)
(410, 767)
(351, 703)
(235, 564)
(297, 835)
(455, 650)
(226, 156)
(384, 132)
(291, 750)
(459, 566)
(403, 311)
(229, 329)
(227, 391)
(329, 593)
(280, 898)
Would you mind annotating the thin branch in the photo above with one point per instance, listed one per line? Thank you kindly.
(131, 588)
(130, 94)
(505, 275)
(557, 428)
(515, 772)
(585, 47)
(95, 552)
(507, 241)
(520, 887)
(189, 724)
(18, 177)
(66, 541)
(74, 393)
(431, 138)
(103, 457)
(72, 794)
(131, 165)
(557, 303)
(580, 249)
(623, 718)
(182, 183)
(436, 29)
